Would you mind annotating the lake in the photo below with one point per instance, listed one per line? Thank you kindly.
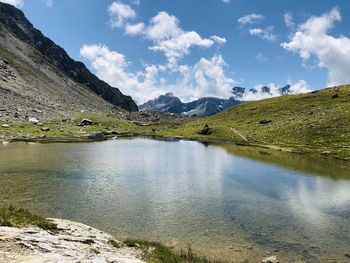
(229, 202)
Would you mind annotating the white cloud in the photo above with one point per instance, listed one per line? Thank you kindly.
(226, 1)
(261, 57)
(250, 19)
(205, 78)
(167, 36)
(333, 53)
(119, 13)
(266, 33)
(219, 40)
(288, 19)
(274, 90)
(16, 3)
(134, 29)
(176, 47)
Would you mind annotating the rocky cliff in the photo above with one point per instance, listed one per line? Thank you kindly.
(33, 60)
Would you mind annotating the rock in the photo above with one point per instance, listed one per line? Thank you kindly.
(5, 126)
(85, 122)
(206, 130)
(45, 129)
(347, 255)
(265, 122)
(334, 96)
(97, 136)
(16, 114)
(326, 152)
(33, 120)
(272, 259)
(74, 242)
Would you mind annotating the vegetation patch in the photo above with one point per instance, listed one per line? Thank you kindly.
(20, 217)
(154, 252)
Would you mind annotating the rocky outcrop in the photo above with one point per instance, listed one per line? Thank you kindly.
(15, 22)
(73, 242)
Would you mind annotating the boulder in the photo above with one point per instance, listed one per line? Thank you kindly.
(45, 129)
(85, 122)
(272, 259)
(206, 130)
(5, 126)
(334, 96)
(33, 120)
(97, 136)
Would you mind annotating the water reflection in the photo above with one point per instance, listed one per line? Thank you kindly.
(214, 197)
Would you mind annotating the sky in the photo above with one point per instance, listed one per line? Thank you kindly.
(200, 48)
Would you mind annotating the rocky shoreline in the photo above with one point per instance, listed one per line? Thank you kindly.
(72, 242)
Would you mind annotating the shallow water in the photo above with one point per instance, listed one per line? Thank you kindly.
(226, 201)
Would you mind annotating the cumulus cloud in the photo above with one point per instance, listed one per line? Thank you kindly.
(119, 13)
(134, 29)
(250, 19)
(333, 53)
(165, 33)
(226, 1)
(204, 78)
(266, 33)
(16, 3)
(260, 91)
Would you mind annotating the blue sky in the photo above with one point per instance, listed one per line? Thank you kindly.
(197, 48)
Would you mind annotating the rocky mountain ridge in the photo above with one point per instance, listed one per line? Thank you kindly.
(201, 107)
(37, 73)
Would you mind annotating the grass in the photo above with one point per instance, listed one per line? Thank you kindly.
(20, 217)
(313, 123)
(154, 252)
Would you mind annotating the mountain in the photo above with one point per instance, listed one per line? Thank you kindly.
(38, 75)
(201, 107)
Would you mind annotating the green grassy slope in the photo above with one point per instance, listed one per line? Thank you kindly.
(314, 122)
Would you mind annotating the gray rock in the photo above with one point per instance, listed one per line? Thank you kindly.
(206, 130)
(97, 136)
(272, 259)
(45, 129)
(5, 126)
(85, 122)
(33, 120)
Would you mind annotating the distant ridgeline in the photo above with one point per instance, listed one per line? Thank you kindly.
(206, 106)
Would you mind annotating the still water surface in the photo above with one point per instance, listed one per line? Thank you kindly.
(229, 202)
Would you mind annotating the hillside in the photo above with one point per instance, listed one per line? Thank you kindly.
(37, 77)
(316, 122)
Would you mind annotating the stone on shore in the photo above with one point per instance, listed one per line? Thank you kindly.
(272, 259)
(74, 242)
